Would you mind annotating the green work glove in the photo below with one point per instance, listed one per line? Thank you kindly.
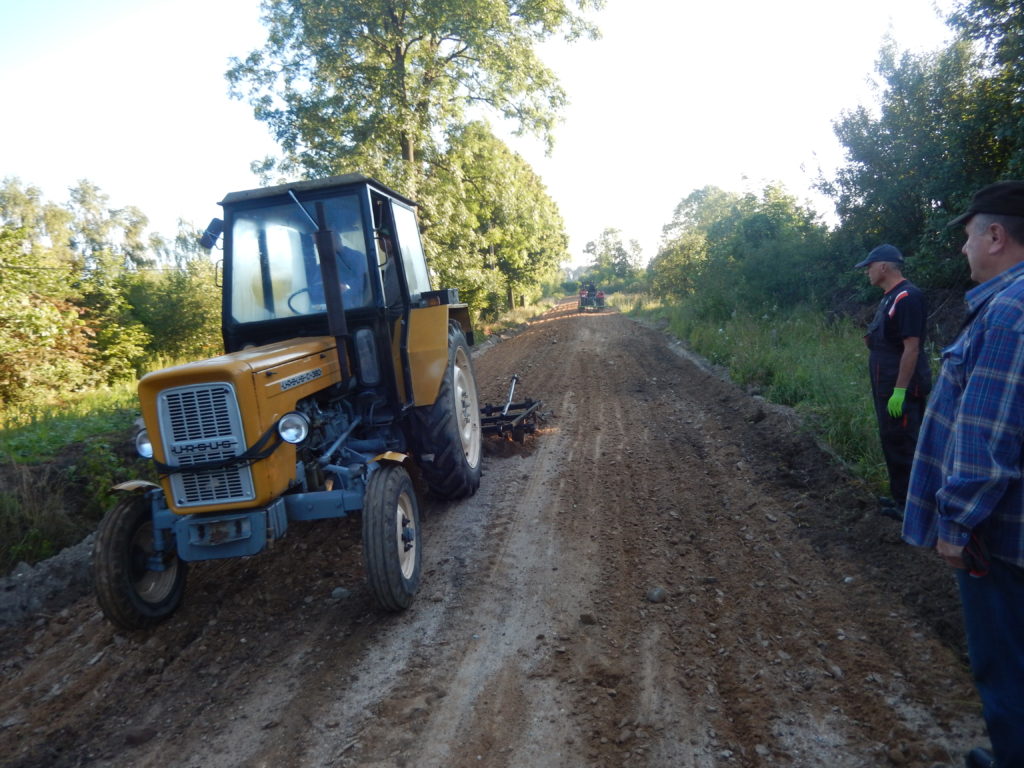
(896, 402)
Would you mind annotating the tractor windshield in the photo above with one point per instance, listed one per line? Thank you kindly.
(274, 265)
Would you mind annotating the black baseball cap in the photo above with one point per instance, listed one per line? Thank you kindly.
(884, 252)
(1004, 198)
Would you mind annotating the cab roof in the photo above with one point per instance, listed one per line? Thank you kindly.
(312, 185)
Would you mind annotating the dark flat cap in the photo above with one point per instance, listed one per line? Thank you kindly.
(1004, 198)
(884, 252)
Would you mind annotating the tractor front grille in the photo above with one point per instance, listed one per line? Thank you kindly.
(198, 424)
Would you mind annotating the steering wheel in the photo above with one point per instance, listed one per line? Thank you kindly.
(314, 307)
(292, 296)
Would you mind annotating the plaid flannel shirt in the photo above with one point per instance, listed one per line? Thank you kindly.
(970, 451)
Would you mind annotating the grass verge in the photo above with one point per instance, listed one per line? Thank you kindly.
(58, 462)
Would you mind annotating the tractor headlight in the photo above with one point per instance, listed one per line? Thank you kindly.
(144, 445)
(293, 427)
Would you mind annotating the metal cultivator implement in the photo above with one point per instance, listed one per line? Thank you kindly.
(515, 420)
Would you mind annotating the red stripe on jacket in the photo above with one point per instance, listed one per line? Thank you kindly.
(901, 295)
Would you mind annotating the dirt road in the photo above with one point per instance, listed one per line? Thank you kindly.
(670, 573)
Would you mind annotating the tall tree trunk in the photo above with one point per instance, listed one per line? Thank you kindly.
(408, 149)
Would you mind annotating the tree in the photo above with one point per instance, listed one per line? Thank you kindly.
(730, 252)
(699, 210)
(910, 168)
(998, 25)
(383, 87)
(45, 229)
(484, 205)
(683, 260)
(615, 265)
(179, 310)
(367, 84)
(675, 271)
(43, 342)
(79, 305)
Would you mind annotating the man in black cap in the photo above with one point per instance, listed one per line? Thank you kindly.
(897, 366)
(966, 496)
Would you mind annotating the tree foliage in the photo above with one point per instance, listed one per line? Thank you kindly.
(42, 337)
(912, 166)
(384, 88)
(615, 265)
(367, 84)
(998, 27)
(82, 300)
(486, 215)
(181, 310)
(727, 251)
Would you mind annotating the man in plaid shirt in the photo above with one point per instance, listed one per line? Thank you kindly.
(966, 496)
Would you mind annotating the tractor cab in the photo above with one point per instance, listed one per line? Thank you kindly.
(273, 238)
(278, 286)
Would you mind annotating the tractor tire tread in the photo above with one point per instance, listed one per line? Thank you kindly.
(111, 580)
(448, 475)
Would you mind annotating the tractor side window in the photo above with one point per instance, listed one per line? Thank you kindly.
(411, 251)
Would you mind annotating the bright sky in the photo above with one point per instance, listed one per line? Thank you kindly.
(131, 95)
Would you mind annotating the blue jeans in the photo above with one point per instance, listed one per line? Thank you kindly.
(993, 608)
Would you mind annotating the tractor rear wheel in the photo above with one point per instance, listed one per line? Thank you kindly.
(132, 594)
(446, 435)
(391, 537)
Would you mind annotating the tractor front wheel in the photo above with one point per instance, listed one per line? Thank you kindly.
(132, 593)
(391, 537)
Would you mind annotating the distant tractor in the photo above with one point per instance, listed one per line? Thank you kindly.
(590, 298)
(342, 369)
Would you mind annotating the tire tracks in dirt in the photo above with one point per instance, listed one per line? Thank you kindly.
(791, 627)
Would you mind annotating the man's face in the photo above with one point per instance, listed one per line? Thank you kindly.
(976, 249)
(875, 272)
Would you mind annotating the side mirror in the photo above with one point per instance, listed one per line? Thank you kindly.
(212, 234)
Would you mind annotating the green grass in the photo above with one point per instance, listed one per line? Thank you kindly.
(39, 432)
(57, 466)
(799, 359)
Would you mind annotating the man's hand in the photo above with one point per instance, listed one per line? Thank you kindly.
(951, 553)
(895, 405)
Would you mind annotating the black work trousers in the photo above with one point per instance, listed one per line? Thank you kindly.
(899, 439)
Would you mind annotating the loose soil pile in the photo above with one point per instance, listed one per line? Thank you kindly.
(670, 573)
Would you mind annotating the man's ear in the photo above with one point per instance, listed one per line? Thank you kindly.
(998, 234)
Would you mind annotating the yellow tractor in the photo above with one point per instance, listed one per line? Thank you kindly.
(342, 368)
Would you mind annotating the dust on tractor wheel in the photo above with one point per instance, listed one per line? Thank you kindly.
(512, 420)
